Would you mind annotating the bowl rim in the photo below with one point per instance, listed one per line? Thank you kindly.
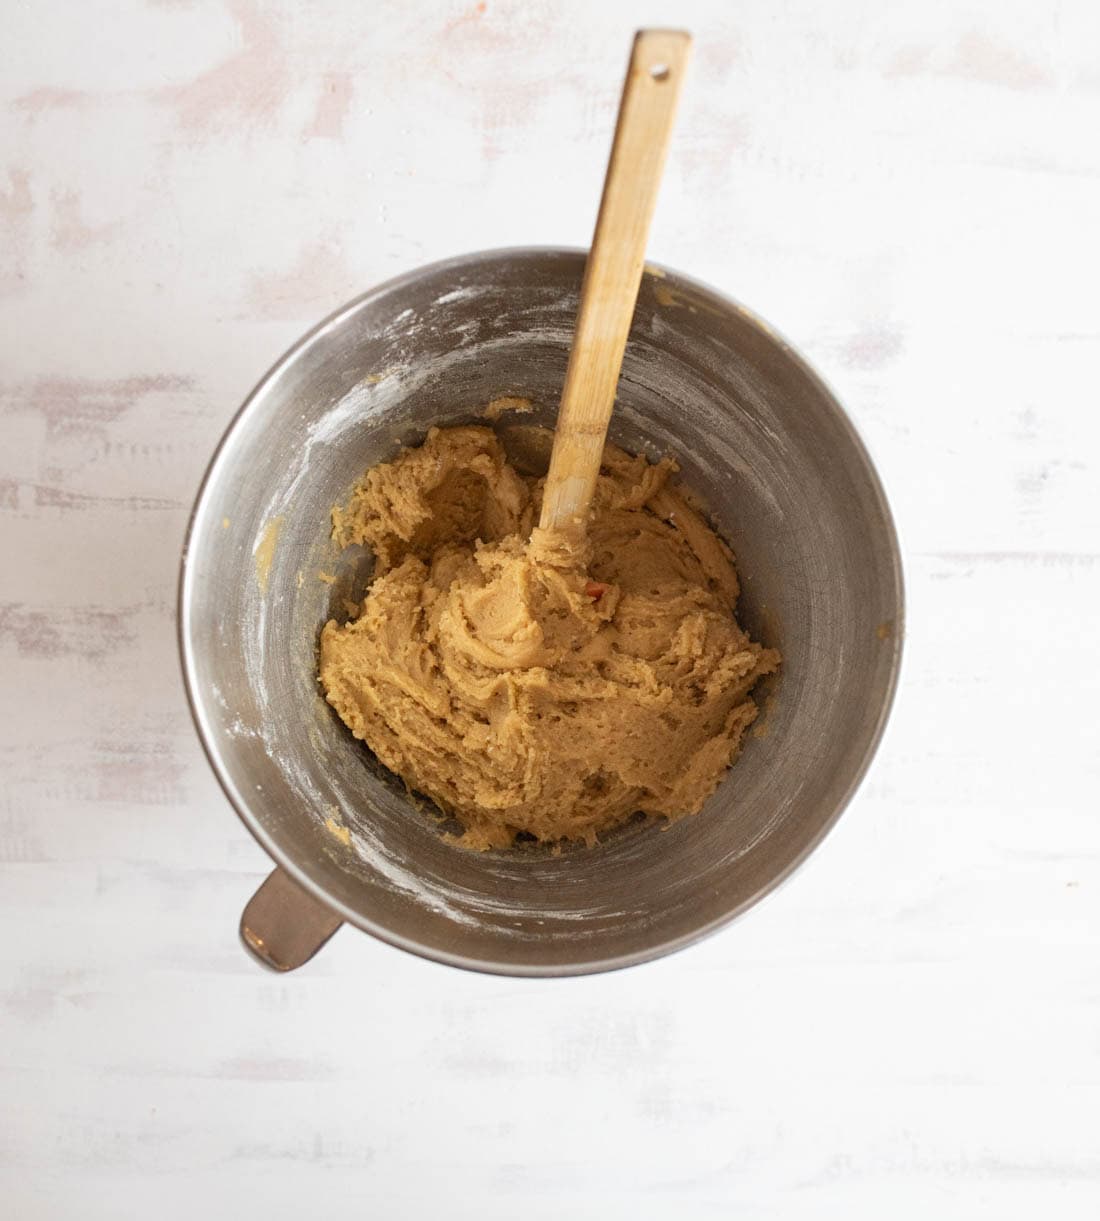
(239, 803)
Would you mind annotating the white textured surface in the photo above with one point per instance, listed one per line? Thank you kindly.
(910, 191)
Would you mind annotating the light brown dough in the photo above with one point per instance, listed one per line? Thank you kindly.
(524, 687)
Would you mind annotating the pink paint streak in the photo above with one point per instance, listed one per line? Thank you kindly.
(148, 773)
(68, 230)
(509, 95)
(81, 632)
(49, 98)
(976, 58)
(475, 30)
(872, 348)
(318, 277)
(333, 106)
(467, 17)
(248, 87)
(82, 405)
(47, 496)
(16, 209)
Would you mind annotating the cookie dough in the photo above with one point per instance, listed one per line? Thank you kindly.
(527, 685)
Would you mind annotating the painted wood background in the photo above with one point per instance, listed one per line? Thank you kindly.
(911, 1028)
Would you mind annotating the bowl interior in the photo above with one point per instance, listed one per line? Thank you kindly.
(758, 437)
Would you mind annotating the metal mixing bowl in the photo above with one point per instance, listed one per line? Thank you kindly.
(788, 484)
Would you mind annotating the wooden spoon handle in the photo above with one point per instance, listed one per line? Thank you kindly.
(613, 272)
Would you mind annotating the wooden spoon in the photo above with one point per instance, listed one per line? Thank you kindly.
(612, 275)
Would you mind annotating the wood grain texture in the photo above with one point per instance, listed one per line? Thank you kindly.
(909, 1029)
(613, 272)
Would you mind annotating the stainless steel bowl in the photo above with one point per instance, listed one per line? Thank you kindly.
(788, 483)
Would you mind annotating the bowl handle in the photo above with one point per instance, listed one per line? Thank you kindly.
(283, 926)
